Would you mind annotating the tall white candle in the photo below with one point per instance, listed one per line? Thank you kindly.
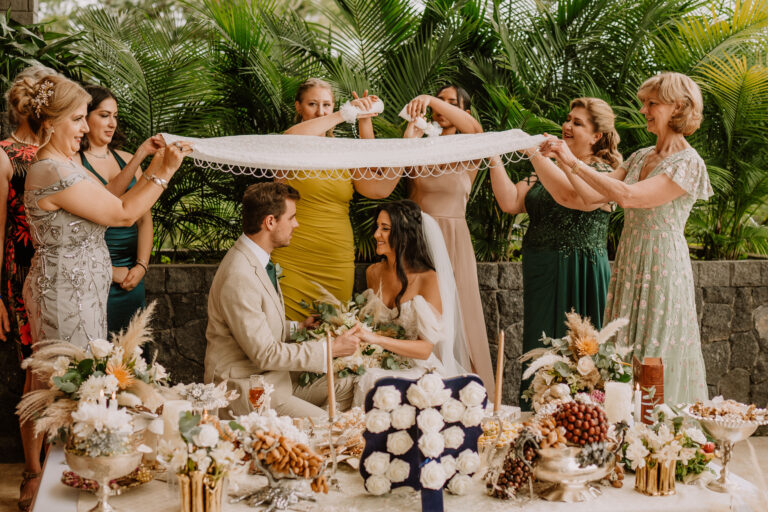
(618, 401)
(637, 402)
(172, 409)
(331, 383)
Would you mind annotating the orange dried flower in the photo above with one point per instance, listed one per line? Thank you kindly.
(585, 346)
(121, 373)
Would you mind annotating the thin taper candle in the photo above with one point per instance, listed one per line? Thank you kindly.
(499, 373)
(331, 385)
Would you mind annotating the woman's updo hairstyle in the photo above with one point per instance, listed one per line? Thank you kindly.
(602, 117)
(49, 99)
(462, 96)
(24, 81)
(406, 237)
(98, 95)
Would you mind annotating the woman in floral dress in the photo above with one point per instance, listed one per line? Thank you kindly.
(19, 150)
(652, 281)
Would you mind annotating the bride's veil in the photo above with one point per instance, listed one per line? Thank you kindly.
(452, 349)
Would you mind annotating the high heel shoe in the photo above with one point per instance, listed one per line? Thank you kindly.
(26, 503)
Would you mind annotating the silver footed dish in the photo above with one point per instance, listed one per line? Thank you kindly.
(571, 482)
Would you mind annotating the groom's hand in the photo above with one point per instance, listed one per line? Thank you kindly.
(346, 343)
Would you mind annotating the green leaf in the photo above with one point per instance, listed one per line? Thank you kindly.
(562, 369)
(188, 425)
(235, 426)
(85, 367)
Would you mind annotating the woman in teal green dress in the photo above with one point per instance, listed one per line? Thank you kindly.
(565, 262)
(129, 247)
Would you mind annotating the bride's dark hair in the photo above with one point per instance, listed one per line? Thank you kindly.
(406, 237)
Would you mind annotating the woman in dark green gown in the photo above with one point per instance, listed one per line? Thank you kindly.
(565, 261)
(129, 247)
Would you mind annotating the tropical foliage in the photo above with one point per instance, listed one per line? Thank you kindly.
(215, 67)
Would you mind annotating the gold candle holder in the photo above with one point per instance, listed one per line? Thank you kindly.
(657, 479)
(200, 493)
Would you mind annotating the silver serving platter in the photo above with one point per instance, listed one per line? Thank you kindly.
(571, 482)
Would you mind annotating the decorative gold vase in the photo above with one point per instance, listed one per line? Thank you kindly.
(200, 492)
(656, 480)
(103, 469)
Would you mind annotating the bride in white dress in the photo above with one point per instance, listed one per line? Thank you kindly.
(413, 286)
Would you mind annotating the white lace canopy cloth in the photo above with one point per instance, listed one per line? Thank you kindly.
(272, 155)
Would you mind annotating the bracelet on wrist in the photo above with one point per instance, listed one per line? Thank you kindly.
(162, 183)
(575, 167)
(142, 265)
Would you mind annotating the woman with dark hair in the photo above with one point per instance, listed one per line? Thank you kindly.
(413, 287)
(445, 198)
(129, 246)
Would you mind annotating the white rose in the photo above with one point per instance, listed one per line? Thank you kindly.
(468, 462)
(201, 458)
(403, 417)
(399, 442)
(696, 435)
(100, 348)
(452, 410)
(460, 485)
(398, 470)
(585, 365)
(432, 444)
(417, 396)
(378, 485)
(432, 475)
(454, 437)
(431, 383)
(60, 366)
(377, 463)
(377, 421)
(207, 437)
(449, 465)
(472, 416)
(386, 398)
(472, 394)
(430, 420)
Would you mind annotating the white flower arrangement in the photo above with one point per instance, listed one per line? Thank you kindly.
(205, 445)
(658, 444)
(100, 430)
(206, 396)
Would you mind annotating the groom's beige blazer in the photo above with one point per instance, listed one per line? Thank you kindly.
(246, 335)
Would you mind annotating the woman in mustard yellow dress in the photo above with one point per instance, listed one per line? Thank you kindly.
(322, 247)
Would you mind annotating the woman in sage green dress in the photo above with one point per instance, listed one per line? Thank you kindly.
(129, 246)
(652, 281)
(565, 262)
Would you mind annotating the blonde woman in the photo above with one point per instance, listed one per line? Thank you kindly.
(565, 261)
(652, 281)
(322, 250)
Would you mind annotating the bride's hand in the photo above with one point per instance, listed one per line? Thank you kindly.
(365, 104)
(346, 343)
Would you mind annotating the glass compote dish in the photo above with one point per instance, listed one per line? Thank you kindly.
(103, 469)
(728, 422)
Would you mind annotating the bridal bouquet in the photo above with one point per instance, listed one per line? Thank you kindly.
(335, 318)
(582, 361)
(105, 369)
(100, 430)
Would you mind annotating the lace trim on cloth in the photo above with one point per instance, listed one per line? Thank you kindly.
(301, 156)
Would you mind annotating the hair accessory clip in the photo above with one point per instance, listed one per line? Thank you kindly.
(42, 96)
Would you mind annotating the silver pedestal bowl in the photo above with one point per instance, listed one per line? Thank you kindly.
(103, 469)
(726, 432)
(571, 482)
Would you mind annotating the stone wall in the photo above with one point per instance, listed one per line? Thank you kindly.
(731, 298)
(23, 11)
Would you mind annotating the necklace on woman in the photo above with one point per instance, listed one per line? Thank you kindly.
(94, 155)
(22, 141)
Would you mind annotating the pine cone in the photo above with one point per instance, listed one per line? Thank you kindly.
(514, 475)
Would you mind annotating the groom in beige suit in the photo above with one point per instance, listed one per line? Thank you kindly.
(246, 317)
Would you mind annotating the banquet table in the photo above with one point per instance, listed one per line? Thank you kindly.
(159, 496)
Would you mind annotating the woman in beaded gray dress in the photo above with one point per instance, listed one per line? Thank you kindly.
(68, 283)
(652, 281)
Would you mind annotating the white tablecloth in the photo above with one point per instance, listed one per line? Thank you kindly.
(160, 497)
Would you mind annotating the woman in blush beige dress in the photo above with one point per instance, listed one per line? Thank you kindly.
(445, 198)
